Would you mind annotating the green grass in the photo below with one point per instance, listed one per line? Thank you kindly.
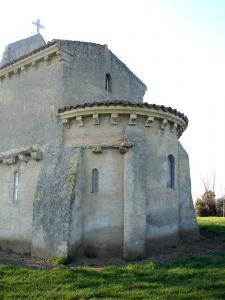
(61, 260)
(193, 278)
(213, 224)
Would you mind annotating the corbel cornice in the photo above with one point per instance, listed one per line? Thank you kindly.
(23, 154)
(150, 114)
(31, 60)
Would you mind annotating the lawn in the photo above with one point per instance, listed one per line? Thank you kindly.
(213, 224)
(193, 278)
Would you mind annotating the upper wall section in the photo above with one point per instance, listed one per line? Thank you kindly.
(31, 90)
(93, 73)
(20, 48)
(58, 74)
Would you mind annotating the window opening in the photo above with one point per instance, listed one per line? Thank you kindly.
(108, 83)
(171, 172)
(15, 186)
(94, 180)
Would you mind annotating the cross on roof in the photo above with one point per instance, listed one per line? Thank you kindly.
(38, 25)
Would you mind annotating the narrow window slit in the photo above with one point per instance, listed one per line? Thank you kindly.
(15, 186)
(95, 180)
(108, 83)
(171, 172)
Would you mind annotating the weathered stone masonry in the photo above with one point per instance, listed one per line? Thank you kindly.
(81, 173)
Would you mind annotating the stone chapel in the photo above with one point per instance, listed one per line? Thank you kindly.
(86, 167)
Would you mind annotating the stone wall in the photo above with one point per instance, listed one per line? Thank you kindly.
(57, 212)
(187, 218)
(55, 196)
(16, 214)
(28, 103)
(85, 71)
(133, 211)
(66, 73)
(103, 211)
(163, 203)
(134, 204)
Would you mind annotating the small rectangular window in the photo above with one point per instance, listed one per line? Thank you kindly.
(108, 83)
(94, 180)
(171, 172)
(15, 186)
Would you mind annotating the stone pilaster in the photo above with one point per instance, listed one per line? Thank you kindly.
(134, 196)
(188, 225)
(53, 203)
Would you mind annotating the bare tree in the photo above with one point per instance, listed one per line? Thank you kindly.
(209, 182)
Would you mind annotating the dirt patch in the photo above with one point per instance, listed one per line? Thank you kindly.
(209, 244)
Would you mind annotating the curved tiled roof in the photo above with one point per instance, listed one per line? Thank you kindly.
(127, 103)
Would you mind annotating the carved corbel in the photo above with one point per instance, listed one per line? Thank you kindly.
(132, 119)
(122, 149)
(97, 149)
(173, 127)
(66, 123)
(59, 55)
(164, 124)
(96, 119)
(16, 71)
(124, 146)
(179, 131)
(36, 155)
(47, 60)
(23, 157)
(114, 118)
(149, 121)
(79, 120)
(34, 65)
(22, 69)
(127, 144)
(9, 160)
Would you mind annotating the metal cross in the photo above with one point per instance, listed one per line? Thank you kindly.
(38, 25)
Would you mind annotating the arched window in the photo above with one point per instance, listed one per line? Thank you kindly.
(108, 83)
(171, 172)
(15, 185)
(94, 180)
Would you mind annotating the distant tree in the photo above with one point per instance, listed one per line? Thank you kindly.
(206, 205)
(200, 208)
(209, 182)
(209, 199)
(220, 207)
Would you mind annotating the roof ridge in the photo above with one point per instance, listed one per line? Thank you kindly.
(48, 44)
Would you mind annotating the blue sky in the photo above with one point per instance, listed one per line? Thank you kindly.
(177, 47)
(204, 17)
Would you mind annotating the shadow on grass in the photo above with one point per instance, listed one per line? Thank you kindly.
(194, 278)
(212, 224)
(217, 229)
